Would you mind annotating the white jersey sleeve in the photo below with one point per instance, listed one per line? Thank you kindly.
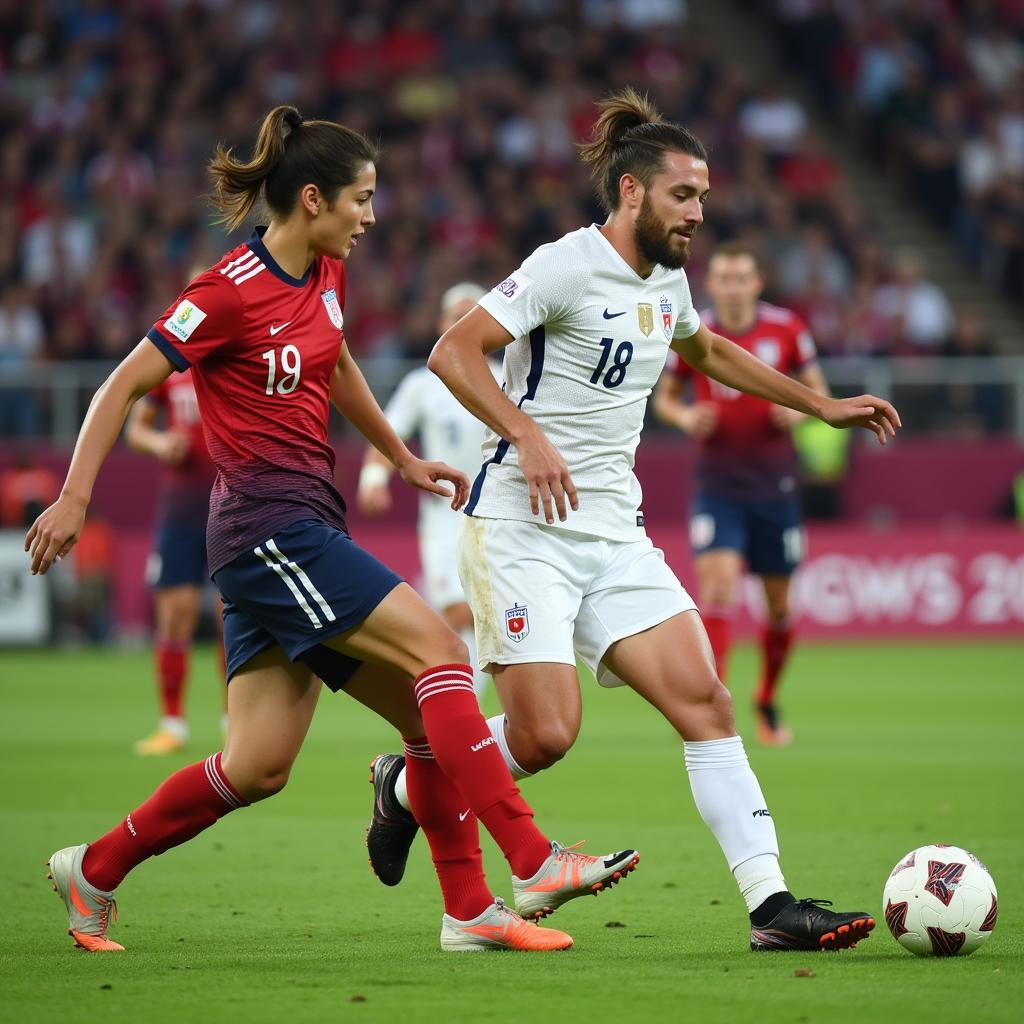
(689, 319)
(542, 291)
(405, 410)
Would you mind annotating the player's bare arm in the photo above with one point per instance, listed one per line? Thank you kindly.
(460, 360)
(810, 375)
(352, 397)
(724, 361)
(698, 419)
(142, 435)
(54, 533)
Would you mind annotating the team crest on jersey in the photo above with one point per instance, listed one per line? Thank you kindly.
(645, 317)
(517, 623)
(184, 320)
(666, 316)
(768, 350)
(330, 298)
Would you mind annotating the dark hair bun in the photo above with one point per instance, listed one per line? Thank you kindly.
(292, 118)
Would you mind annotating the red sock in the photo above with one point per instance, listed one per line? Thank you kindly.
(451, 830)
(183, 805)
(718, 623)
(171, 670)
(468, 755)
(776, 641)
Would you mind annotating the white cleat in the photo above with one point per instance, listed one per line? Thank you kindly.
(567, 874)
(89, 908)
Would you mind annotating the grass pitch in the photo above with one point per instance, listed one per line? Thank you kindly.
(274, 915)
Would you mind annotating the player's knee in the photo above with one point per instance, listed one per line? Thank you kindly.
(445, 649)
(265, 782)
(547, 745)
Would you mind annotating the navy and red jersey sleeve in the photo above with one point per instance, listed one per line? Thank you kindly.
(207, 315)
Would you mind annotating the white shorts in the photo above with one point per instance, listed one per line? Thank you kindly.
(438, 537)
(540, 593)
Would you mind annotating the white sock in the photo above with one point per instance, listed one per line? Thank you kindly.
(479, 678)
(730, 801)
(176, 726)
(497, 727)
(401, 793)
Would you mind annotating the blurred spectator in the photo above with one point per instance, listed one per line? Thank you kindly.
(92, 559)
(26, 490)
(915, 307)
(21, 345)
(970, 408)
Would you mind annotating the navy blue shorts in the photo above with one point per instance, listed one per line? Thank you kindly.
(766, 532)
(305, 584)
(179, 558)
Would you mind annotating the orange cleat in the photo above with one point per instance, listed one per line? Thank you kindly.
(89, 909)
(498, 928)
(161, 742)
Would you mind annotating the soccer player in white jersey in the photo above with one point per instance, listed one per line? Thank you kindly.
(553, 553)
(422, 405)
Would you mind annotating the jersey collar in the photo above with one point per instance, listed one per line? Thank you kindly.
(255, 243)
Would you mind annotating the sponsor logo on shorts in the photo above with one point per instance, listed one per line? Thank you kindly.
(517, 623)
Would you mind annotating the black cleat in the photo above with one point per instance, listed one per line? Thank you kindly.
(392, 828)
(806, 925)
(770, 730)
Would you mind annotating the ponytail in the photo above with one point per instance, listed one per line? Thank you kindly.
(630, 137)
(290, 153)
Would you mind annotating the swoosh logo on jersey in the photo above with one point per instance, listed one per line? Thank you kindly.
(611, 316)
(277, 330)
(465, 814)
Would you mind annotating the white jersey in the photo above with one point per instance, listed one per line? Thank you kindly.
(448, 431)
(592, 337)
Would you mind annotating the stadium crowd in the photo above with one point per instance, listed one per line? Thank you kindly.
(108, 113)
(936, 89)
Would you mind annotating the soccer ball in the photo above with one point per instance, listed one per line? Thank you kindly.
(940, 901)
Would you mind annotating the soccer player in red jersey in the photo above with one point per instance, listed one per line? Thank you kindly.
(746, 509)
(177, 568)
(262, 331)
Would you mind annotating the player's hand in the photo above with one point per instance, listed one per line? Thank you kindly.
(173, 447)
(374, 500)
(425, 476)
(54, 533)
(701, 420)
(548, 477)
(875, 414)
(783, 418)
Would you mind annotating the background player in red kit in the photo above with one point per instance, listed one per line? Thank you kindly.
(746, 507)
(177, 568)
(262, 331)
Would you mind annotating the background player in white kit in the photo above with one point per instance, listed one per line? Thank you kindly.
(422, 405)
(586, 324)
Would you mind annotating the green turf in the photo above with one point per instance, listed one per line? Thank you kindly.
(273, 915)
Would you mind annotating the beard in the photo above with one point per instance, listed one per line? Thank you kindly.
(655, 242)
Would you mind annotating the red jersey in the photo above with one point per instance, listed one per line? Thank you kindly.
(184, 488)
(748, 456)
(262, 346)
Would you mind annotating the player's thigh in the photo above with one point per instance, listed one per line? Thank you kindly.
(718, 538)
(671, 666)
(402, 632)
(542, 702)
(271, 701)
(177, 611)
(777, 540)
(524, 583)
(634, 591)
